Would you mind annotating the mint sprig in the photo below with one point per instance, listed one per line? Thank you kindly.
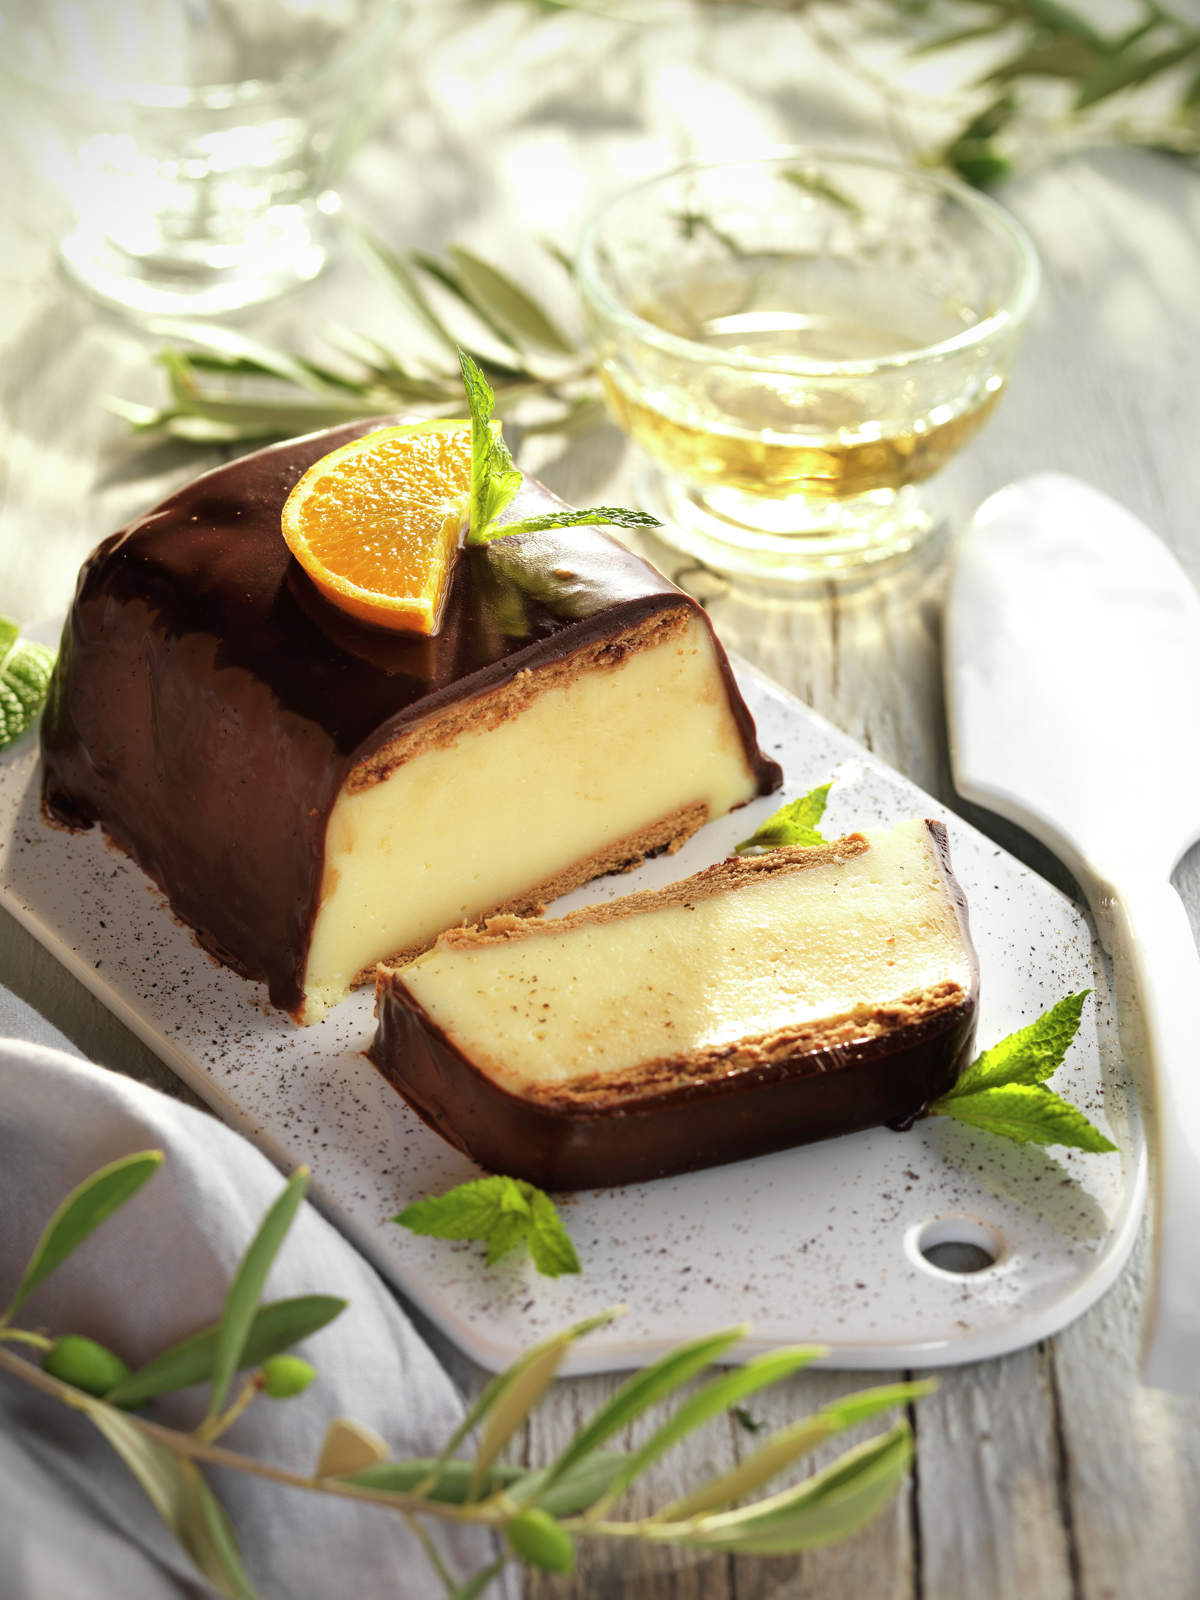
(1004, 1092)
(502, 1213)
(25, 670)
(795, 823)
(495, 480)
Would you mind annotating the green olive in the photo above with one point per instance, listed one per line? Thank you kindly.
(284, 1376)
(537, 1538)
(84, 1364)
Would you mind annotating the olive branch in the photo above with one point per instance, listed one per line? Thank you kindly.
(1025, 81)
(540, 1513)
(229, 388)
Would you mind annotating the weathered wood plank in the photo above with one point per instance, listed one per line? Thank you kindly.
(1131, 1457)
(988, 1488)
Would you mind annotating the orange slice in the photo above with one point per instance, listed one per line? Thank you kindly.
(377, 524)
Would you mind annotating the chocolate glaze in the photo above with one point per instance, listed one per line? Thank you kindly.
(814, 1095)
(208, 704)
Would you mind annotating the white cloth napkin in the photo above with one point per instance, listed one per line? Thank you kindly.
(73, 1522)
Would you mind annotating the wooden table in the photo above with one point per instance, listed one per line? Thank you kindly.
(1049, 1474)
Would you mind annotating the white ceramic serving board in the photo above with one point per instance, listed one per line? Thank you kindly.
(817, 1244)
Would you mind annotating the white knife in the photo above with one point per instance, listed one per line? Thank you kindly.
(1073, 700)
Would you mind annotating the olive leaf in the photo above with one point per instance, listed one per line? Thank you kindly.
(498, 304)
(275, 1327)
(816, 184)
(241, 1303)
(1069, 58)
(235, 351)
(526, 1383)
(644, 1389)
(830, 1505)
(1059, 19)
(512, 312)
(474, 1586)
(349, 1447)
(496, 1392)
(575, 1490)
(708, 1402)
(85, 1208)
(177, 1491)
(952, 37)
(446, 1482)
(445, 274)
(253, 418)
(402, 278)
(1128, 70)
(454, 1482)
(788, 1445)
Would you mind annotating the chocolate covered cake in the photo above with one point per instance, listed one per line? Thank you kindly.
(766, 1002)
(314, 794)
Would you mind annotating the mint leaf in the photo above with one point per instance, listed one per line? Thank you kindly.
(618, 516)
(24, 680)
(794, 823)
(494, 478)
(506, 1234)
(1026, 1112)
(502, 1213)
(1030, 1055)
(472, 1211)
(549, 1242)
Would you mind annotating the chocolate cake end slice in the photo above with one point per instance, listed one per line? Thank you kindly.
(314, 794)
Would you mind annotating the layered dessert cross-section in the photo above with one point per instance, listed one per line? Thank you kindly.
(765, 1002)
(315, 794)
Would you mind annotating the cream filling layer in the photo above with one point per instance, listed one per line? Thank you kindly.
(781, 950)
(471, 825)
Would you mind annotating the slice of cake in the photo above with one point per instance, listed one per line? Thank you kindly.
(314, 793)
(765, 1002)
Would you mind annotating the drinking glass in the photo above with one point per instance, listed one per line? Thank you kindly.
(195, 141)
(798, 342)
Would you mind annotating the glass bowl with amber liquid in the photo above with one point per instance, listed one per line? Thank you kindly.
(797, 344)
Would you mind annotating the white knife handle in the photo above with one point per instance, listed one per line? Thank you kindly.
(1157, 971)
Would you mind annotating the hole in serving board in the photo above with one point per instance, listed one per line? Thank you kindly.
(954, 1247)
